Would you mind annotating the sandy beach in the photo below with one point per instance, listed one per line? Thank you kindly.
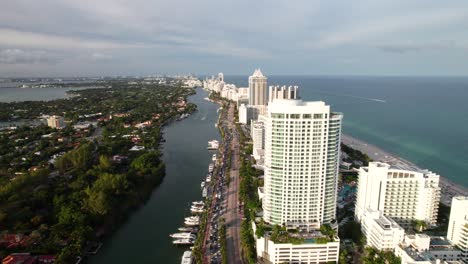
(448, 189)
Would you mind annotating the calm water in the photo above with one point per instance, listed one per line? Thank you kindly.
(424, 120)
(145, 236)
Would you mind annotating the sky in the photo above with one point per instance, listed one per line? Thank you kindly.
(144, 37)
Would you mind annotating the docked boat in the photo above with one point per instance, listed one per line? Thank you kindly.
(182, 235)
(187, 229)
(202, 184)
(213, 145)
(183, 242)
(211, 168)
(187, 258)
(198, 203)
(192, 218)
(208, 178)
(183, 116)
(204, 192)
(213, 158)
(196, 210)
(192, 223)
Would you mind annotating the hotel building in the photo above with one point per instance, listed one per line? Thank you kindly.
(403, 195)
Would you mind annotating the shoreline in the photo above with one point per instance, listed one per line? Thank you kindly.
(448, 188)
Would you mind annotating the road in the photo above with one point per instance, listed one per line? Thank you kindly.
(232, 216)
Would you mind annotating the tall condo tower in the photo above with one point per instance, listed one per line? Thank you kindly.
(257, 89)
(302, 146)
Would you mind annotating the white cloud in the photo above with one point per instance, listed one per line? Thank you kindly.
(17, 38)
(387, 26)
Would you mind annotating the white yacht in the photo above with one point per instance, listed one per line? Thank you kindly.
(187, 229)
(198, 203)
(182, 235)
(213, 144)
(196, 211)
(183, 241)
(213, 158)
(192, 218)
(202, 184)
(191, 223)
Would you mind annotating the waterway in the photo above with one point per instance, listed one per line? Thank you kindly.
(144, 237)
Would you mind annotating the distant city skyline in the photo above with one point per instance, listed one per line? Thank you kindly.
(142, 37)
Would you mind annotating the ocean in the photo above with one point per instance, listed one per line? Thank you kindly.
(421, 119)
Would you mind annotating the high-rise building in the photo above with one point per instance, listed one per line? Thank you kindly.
(302, 143)
(257, 88)
(403, 195)
(458, 225)
(55, 122)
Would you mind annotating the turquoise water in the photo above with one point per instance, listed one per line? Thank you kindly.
(424, 120)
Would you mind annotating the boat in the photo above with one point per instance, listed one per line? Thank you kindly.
(183, 242)
(213, 158)
(204, 192)
(202, 184)
(183, 116)
(213, 145)
(182, 235)
(187, 229)
(192, 223)
(198, 203)
(196, 210)
(208, 178)
(192, 218)
(187, 257)
(211, 167)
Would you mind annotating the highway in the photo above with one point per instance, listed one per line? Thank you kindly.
(232, 216)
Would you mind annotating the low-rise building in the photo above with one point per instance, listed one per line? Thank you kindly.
(423, 249)
(311, 250)
(380, 231)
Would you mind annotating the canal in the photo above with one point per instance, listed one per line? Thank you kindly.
(144, 237)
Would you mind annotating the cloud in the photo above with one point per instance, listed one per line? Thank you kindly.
(39, 40)
(387, 26)
(19, 56)
(233, 36)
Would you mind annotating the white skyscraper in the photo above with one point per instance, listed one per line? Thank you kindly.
(403, 195)
(302, 142)
(257, 89)
(458, 225)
